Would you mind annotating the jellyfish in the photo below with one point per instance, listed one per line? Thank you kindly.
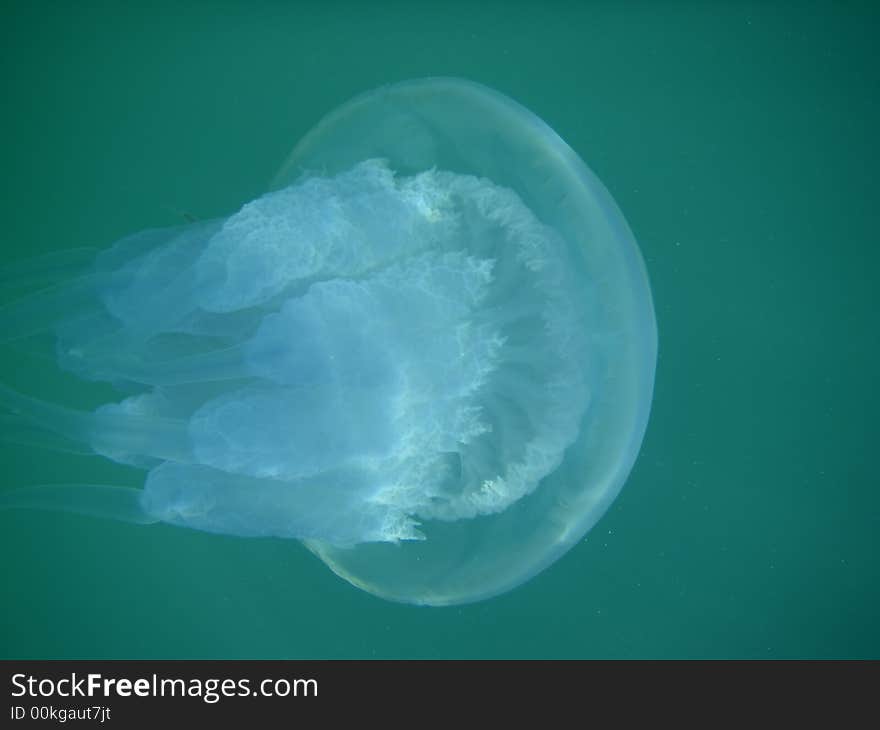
(427, 352)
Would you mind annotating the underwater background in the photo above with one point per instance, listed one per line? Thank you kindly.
(740, 141)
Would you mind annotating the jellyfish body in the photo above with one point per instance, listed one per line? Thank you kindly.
(427, 352)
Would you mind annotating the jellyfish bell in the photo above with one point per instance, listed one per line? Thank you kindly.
(427, 352)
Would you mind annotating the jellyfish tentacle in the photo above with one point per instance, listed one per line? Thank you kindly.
(17, 429)
(122, 504)
(113, 434)
(216, 365)
(55, 266)
(43, 309)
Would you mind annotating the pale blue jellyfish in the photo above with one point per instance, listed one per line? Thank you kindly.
(428, 353)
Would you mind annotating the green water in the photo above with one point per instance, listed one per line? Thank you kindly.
(740, 142)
